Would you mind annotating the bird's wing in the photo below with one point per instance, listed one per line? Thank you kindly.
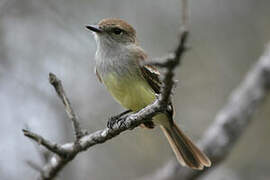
(149, 72)
(152, 76)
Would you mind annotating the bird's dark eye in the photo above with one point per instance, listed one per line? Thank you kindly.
(117, 31)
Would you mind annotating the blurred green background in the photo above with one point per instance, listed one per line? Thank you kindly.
(42, 36)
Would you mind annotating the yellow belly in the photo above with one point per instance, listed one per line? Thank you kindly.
(133, 93)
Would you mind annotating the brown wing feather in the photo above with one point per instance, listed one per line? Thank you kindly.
(150, 73)
(152, 76)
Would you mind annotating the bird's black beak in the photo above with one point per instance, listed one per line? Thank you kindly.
(94, 28)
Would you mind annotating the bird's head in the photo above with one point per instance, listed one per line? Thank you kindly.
(113, 31)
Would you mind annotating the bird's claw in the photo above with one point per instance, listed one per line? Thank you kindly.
(112, 120)
(116, 119)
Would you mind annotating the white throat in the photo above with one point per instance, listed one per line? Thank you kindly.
(115, 57)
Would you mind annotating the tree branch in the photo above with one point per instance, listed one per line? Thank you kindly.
(53, 147)
(56, 83)
(229, 123)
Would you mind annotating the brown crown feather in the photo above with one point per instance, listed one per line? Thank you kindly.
(114, 22)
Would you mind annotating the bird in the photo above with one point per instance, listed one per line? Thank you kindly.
(118, 66)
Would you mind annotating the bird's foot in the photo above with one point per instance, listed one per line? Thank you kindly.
(116, 119)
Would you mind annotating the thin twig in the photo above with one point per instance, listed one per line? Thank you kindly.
(53, 147)
(169, 64)
(185, 15)
(37, 167)
(56, 83)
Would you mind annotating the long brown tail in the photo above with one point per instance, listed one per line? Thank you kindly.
(187, 153)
